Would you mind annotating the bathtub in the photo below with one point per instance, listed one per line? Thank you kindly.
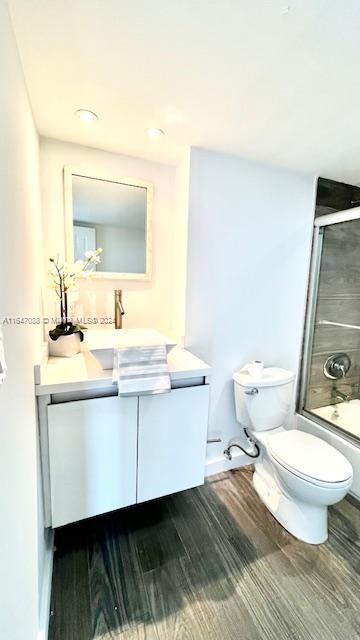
(344, 415)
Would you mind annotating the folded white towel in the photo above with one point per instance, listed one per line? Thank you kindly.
(141, 370)
(2, 358)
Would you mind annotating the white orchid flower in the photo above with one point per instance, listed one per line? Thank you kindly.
(63, 277)
(93, 255)
(78, 267)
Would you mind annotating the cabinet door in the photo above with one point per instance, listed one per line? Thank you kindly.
(172, 441)
(92, 451)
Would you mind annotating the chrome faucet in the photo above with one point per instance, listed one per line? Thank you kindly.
(119, 309)
(339, 395)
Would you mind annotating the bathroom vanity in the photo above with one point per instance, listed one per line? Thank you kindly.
(101, 452)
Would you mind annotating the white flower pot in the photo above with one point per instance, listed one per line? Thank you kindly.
(65, 346)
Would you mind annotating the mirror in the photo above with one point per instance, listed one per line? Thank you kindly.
(111, 213)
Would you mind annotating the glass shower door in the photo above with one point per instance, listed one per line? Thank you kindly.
(331, 363)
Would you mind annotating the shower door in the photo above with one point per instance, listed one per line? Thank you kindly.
(331, 358)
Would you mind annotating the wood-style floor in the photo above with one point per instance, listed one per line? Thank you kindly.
(210, 563)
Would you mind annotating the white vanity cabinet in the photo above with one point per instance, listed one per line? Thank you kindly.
(101, 452)
(92, 457)
(172, 441)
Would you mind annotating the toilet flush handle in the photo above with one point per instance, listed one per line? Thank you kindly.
(252, 392)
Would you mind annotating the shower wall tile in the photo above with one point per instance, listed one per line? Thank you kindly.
(320, 387)
(335, 196)
(326, 339)
(339, 308)
(340, 264)
(319, 396)
(338, 301)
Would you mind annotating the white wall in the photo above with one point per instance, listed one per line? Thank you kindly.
(178, 302)
(22, 542)
(146, 303)
(250, 229)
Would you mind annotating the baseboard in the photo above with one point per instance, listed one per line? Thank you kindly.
(221, 463)
(44, 615)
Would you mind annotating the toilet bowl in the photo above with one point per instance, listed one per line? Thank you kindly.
(297, 475)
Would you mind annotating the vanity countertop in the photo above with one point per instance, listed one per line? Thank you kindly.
(82, 372)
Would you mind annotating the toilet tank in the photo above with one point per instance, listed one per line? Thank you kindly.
(263, 403)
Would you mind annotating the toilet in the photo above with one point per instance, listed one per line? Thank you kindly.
(297, 475)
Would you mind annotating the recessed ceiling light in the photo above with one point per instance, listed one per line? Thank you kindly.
(153, 132)
(86, 116)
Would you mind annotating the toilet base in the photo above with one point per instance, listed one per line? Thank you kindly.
(304, 521)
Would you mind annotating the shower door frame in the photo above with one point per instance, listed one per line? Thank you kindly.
(320, 224)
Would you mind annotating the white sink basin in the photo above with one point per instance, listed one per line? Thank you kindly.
(101, 343)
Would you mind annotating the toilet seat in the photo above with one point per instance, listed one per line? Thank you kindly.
(344, 484)
(310, 458)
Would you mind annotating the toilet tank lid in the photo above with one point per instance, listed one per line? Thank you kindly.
(272, 377)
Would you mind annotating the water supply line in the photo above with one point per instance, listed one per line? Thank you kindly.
(251, 454)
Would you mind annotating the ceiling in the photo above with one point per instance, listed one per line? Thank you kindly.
(271, 80)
